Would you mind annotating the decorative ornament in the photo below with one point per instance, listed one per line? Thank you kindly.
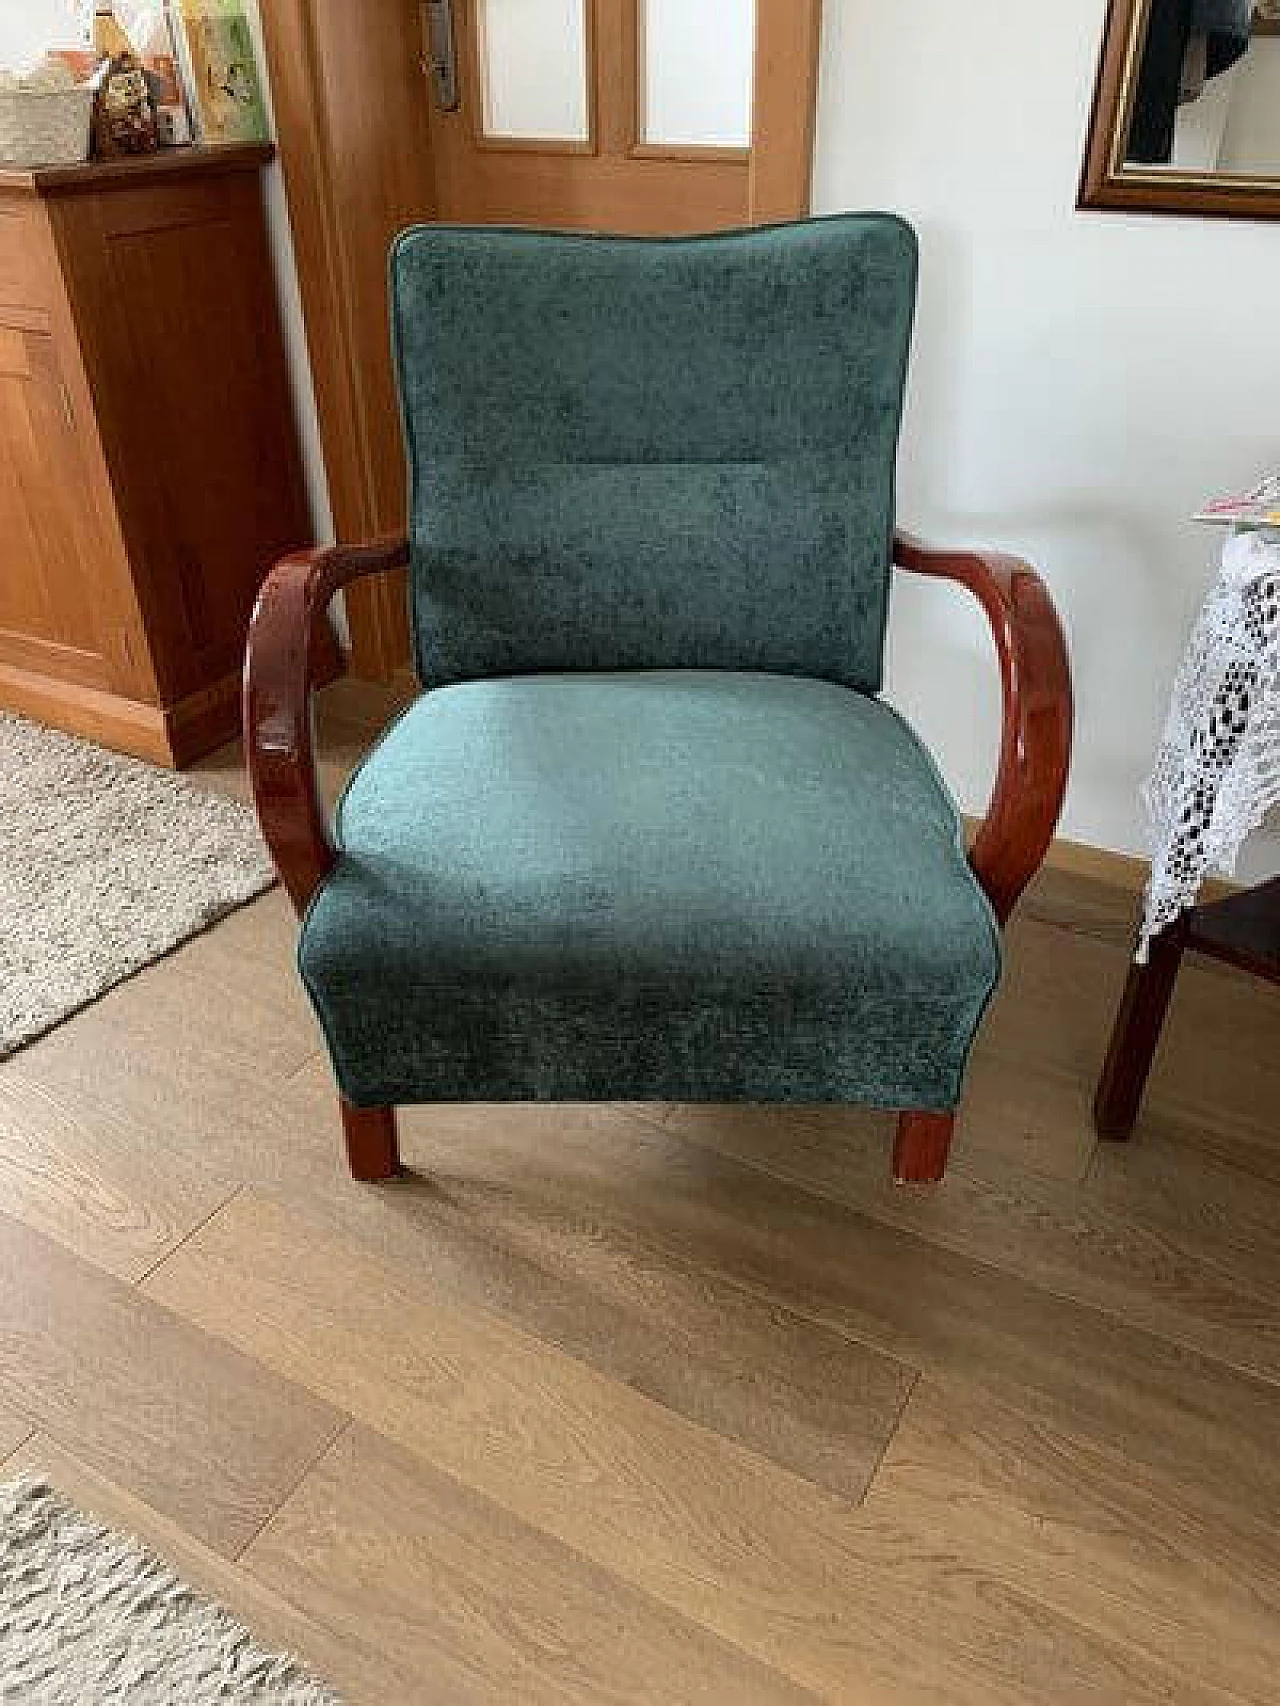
(124, 120)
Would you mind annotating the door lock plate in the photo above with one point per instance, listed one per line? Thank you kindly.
(440, 57)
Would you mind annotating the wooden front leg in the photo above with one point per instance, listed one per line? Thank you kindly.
(373, 1150)
(922, 1147)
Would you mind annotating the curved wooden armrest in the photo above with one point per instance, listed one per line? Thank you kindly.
(1035, 746)
(277, 703)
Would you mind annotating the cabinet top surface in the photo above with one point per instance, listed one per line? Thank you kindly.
(137, 168)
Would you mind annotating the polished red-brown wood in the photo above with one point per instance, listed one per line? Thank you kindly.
(373, 1151)
(1035, 742)
(922, 1146)
(278, 678)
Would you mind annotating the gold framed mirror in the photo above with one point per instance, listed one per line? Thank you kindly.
(1186, 113)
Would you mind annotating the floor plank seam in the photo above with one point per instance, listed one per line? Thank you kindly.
(1175, 1134)
(1095, 1156)
(891, 1436)
(696, 1423)
(664, 1605)
(19, 1447)
(1109, 935)
(346, 1422)
(1257, 1290)
(145, 1534)
(1009, 1274)
(315, 1055)
(1082, 1177)
(141, 1279)
(1091, 1162)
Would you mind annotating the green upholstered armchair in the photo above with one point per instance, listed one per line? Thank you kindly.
(650, 832)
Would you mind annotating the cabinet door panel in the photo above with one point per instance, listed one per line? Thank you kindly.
(23, 278)
(174, 290)
(48, 613)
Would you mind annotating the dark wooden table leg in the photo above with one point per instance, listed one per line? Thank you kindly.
(1136, 1034)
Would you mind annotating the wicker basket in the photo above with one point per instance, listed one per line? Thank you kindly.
(45, 128)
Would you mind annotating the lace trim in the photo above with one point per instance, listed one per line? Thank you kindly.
(1217, 773)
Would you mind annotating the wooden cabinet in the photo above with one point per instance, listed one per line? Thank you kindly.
(149, 462)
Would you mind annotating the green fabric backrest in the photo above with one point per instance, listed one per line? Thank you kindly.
(633, 453)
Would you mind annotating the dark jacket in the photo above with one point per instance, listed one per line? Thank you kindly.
(1226, 23)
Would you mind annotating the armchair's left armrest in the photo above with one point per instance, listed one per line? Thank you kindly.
(278, 741)
(1035, 746)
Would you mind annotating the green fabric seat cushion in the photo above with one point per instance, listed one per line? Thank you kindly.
(681, 885)
(653, 454)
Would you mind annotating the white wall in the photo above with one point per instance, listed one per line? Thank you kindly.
(281, 236)
(28, 27)
(1079, 382)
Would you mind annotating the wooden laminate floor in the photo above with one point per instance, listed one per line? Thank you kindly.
(667, 1404)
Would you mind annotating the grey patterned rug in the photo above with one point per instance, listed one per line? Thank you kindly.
(89, 1618)
(106, 863)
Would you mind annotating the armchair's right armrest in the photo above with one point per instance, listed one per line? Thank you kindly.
(278, 742)
(1035, 743)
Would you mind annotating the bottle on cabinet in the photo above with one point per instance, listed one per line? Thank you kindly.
(151, 28)
(124, 118)
(109, 40)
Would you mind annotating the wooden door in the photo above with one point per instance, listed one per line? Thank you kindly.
(643, 116)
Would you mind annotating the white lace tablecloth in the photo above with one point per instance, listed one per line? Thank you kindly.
(1217, 773)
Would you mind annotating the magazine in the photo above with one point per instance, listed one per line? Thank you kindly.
(222, 71)
(1258, 507)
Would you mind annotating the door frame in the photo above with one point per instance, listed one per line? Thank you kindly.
(356, 171)
(788, 41)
